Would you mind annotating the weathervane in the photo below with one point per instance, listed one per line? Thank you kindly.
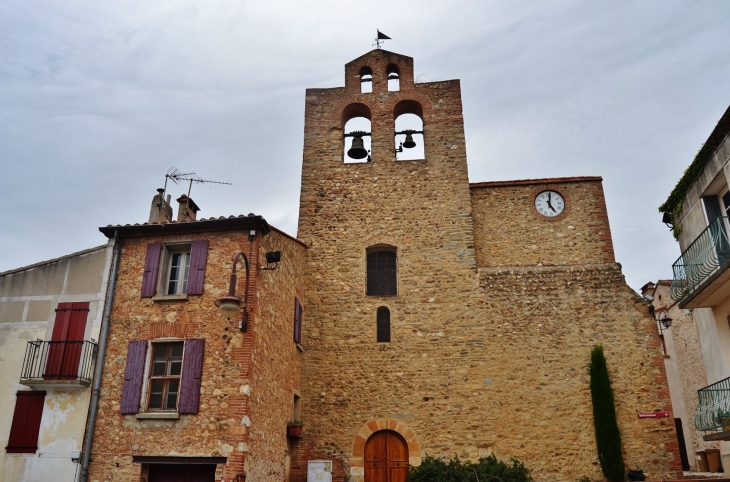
(380, 38)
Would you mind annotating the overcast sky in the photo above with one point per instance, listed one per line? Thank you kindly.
(99, 99)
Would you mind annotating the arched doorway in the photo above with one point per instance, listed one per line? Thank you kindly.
(386, 457)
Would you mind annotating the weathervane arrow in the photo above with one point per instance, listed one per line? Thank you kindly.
(380, 38)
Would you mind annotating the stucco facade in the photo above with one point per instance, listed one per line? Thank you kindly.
(29, 298)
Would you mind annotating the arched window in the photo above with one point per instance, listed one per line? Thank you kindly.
(383, 325)
(393, 75)
(366, 80)
(409, 140)
(382, 274)
(356, 133)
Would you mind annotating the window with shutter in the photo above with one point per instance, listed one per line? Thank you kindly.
(191, 376)
(133, 377)
(26, 423)
(182, 269)
(151, 266)
(297, 321)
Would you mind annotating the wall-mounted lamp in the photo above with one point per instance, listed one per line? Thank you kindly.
(272, 257)
(661, 317)
(231, 304)
(667, 219)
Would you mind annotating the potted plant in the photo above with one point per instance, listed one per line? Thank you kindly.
(294, 428)
(724, 416)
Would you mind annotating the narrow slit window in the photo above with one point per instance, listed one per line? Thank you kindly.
(383, 325)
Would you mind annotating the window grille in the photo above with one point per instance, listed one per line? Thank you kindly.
(381, 273)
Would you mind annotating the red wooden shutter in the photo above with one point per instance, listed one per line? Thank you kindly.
(54, 360)
(133, 377)
(198, 259)
(151, 266)
(26, 422)
(192, 374)
(297, 321)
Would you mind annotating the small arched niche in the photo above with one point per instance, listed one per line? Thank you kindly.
(366, 80)
(356, 124)
(393, 75)
(409, 140)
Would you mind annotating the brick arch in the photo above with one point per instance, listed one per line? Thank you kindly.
(358, 445)
(399, 96)
(339, 107)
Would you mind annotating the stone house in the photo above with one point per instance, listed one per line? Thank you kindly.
(685, 373)
(415, 314)
(697, 210)
(50, 317)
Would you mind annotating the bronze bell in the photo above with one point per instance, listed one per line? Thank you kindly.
(357, 150)
(409, 143)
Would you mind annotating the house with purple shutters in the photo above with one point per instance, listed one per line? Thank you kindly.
(185, 391)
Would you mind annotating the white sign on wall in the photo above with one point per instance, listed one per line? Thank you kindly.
(319, 471)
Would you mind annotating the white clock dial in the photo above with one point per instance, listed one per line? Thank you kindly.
(549, 203)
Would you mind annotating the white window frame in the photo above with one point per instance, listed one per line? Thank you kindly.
(169, 250)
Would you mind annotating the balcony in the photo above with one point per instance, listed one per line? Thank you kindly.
(701, 275)
(61, 365)
(713, 410)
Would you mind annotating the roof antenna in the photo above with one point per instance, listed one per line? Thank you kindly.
(176, 176)
(381, 37)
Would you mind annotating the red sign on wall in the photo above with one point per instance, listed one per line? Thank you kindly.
(654, 415)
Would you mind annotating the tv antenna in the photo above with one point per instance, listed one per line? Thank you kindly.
(176, 176)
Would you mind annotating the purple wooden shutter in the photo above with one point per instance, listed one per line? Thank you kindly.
(191, 375)
(26, 422)
(198, 258)
(151, 266)
(297, 321)
(133, 377)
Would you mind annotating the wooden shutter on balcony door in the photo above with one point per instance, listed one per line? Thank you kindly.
(26, 423)
(192, 374)
(133, 377)
(151, 267)
(198, 259)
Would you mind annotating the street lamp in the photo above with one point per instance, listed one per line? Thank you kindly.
(231, 304)
(662, 317)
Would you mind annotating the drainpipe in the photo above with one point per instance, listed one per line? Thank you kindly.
(100, 360)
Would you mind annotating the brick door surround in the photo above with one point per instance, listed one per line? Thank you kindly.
(357, 461)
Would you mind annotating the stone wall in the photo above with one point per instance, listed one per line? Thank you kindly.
(245, 375)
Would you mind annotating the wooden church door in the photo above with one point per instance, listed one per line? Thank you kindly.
(386, 457)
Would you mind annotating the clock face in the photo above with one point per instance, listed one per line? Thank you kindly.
(549, 203)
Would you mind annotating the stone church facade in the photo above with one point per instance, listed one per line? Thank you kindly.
(494, 314)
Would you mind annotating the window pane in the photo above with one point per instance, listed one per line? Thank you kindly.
(172, 388)
(174, 273)
(160, 352)
(175, 367)
(156, 388)
(381, 275)
(185, 273)
(177, 350)
(158, 369)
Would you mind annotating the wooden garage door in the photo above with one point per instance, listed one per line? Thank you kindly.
(182, 473)
(386, 457)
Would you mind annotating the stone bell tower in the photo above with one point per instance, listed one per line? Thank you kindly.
(417, 210)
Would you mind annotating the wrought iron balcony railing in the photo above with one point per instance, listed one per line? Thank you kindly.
(51, 361)
(714, 406)
(705, 256)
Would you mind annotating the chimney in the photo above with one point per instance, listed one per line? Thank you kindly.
(187, 210)
(647, 289)
(160, 211)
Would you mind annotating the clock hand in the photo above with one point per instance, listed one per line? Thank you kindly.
(550, 205)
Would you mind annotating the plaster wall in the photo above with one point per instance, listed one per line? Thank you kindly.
(37, 290)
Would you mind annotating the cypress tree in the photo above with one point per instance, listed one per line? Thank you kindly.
(608, 437)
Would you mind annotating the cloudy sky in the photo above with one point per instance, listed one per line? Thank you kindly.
(99, 99)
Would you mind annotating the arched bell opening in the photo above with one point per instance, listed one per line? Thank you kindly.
(356, 129)
(366, 80)
(409, 139)
(393, 75)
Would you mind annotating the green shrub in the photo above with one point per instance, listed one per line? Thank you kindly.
(488, 469)
(608, 437)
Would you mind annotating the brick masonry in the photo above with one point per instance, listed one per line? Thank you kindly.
(496, 312)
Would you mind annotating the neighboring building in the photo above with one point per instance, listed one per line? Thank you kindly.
(186, 393)
(698, 210)
(50, 316)
(685, 371)
(419, 314)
